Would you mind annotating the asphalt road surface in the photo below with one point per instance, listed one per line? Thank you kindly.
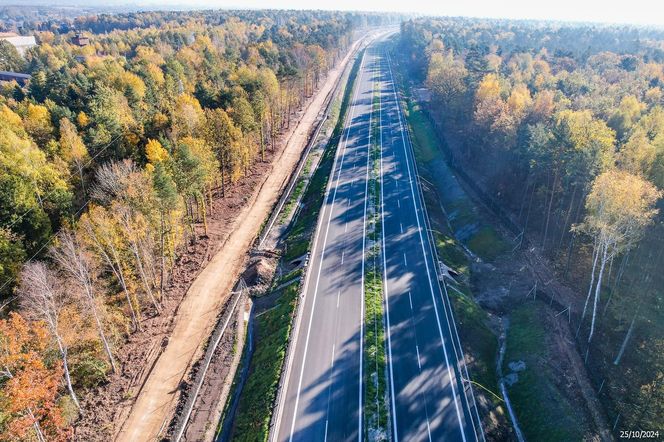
(430, 400)
(323, 391)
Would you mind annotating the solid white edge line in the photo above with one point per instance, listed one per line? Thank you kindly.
(447, 307)
(290, 357)
(419, 228)
(387, 303)
(336, 187)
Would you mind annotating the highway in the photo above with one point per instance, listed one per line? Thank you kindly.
(428, 397)
(322, 395)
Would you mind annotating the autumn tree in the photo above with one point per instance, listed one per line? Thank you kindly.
(168, 203)
(101, 230)
(446, 78)
(43, 298)
(10, 59)
(619, 207)
(28, 385)
(12, 255)
(76, 263)
(222, 135)
(73, 149)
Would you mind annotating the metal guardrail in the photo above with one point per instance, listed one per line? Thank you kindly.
(311, 141)
(185, 414)
(225, 431)
(449, 314)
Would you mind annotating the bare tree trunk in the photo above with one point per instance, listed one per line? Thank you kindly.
(210, 203)
(524, 198)
(567, 217)
(262, 142)
(146, 249)
(116, 268)
(598, 289)
(616, 281)
(146, 284)
(548, 212)
(162, 235)
(102, 335)
(569, 256)
(623, 347)
(530, 204)
(43, 296)
(590, 288)
(204, 210)
(70, 256)
(65, 365)
(80, 174)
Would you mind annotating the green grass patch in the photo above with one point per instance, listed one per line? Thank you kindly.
(544, 413)
(375, 403)
(424, 136)
(293, 199)
(487, 243)
(451, 254)
(477, 338)
(461, 212)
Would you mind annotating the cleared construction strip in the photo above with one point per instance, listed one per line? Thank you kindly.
(184, 415)
(273, 327)
(196, 314)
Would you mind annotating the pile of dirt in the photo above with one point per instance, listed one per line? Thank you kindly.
(259, 273)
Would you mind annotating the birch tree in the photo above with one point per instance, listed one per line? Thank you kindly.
(135, 229)
(43, 298)
(76, 263)
(101, 230)
(619, 207)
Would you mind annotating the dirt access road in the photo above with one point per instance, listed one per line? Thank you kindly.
(198, 311)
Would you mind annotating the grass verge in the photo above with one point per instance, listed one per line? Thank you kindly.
(252, 422)
(544, 413)
(273, 327)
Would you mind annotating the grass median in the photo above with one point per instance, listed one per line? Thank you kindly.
(375, 393)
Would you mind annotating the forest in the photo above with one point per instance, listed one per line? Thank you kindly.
(110, 157)
(563, 126)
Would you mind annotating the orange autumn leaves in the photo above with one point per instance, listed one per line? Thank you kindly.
(31, 378)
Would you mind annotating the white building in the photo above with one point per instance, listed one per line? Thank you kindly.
(21, 42)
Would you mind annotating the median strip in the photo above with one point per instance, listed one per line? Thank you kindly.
(376, 399)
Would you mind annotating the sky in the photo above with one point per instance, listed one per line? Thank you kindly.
(642, 12)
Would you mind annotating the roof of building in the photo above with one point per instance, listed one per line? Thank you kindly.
(20, 40)
(14, 75)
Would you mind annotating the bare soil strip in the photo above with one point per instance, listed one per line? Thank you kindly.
(197, 312)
